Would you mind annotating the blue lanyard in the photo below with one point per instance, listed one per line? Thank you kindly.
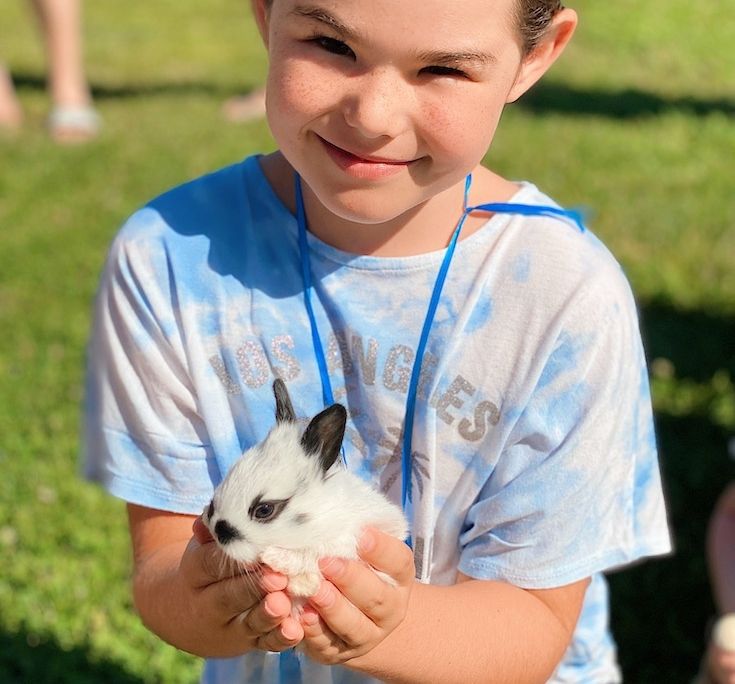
(328, 397)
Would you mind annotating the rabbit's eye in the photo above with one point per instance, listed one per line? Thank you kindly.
(265, 511)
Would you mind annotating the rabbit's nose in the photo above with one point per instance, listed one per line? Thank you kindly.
(226, 532)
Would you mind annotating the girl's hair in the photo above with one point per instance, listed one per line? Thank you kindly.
(534, 17)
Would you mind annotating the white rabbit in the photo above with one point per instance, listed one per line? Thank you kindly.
(289, 501)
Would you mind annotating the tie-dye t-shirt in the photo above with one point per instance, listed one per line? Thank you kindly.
(534, 457)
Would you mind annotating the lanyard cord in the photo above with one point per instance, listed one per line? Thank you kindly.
(321, 360)
(328, 397)
(441, 276)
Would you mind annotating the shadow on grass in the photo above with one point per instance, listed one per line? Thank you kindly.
(546, 97)
(551, 96)
(698, 343)
(26, 81)
(660, 608)
(26, 658)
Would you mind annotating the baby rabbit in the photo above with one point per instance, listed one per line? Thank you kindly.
(288, 502)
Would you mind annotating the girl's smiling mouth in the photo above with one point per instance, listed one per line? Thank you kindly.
(367, 167)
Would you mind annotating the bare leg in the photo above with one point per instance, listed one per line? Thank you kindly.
(60, 22)
(11, 115)
(72, 115)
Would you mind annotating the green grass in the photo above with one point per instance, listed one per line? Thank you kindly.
(636, 123)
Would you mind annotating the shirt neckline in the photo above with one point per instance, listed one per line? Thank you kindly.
(367, 262)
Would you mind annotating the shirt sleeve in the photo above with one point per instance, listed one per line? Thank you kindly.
(576, 489)
(144, 439)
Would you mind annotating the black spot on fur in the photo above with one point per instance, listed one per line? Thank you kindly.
(210, 510)
(301, 518)
(225, 532)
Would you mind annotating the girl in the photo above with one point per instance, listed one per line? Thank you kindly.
(490, 361)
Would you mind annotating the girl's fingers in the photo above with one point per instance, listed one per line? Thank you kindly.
(387, 554)
(200, 531)
(340, 616)
(283, 637)
(372, 594)
(269, 613)
(320, 641)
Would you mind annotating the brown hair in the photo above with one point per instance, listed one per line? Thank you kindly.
(534, 17)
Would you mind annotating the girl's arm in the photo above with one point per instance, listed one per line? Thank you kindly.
(473, 631)
(189, 594)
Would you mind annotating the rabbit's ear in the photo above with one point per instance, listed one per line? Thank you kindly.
(324, 434)
(284, 407)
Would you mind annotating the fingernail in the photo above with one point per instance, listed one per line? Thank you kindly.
(324, 597)
(272, 581)
(367, 541)
(309, 616)
(290, 631)
(271, 609)
(333, 567)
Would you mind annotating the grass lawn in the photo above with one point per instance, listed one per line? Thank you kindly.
(637, 124)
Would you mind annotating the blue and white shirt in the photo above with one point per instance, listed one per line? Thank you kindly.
(534, 456)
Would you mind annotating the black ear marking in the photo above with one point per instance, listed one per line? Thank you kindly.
(284, 407)
(324, 434)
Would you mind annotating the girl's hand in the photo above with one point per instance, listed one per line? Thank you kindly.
(250, 610)
(354, 609)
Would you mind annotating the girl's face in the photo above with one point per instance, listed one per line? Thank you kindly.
(382, 105)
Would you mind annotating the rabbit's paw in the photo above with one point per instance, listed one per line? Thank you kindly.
(304, 584)
(290, 562)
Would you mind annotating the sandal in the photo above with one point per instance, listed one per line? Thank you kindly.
(73, 124)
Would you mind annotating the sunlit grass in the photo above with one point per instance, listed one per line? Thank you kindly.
(636, 124)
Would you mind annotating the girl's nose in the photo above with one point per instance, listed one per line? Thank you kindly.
(378, 105)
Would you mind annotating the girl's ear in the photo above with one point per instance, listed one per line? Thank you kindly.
(540, 59)
(261, 10)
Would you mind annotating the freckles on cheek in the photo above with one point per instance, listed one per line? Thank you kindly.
(298, 89)
(449, 130)
(295, 91)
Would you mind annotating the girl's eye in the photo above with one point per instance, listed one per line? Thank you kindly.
(444, 71)
(336, 47)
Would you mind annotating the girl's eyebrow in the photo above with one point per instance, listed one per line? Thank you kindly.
(321, 15)
(434, 57)
(440, 58)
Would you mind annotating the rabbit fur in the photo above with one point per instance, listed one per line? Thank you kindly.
(289, 501)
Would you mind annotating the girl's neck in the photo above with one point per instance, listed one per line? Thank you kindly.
(425, 228)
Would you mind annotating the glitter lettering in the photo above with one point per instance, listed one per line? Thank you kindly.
(253, 364)
(290, 368)
(366, 362)
(428, 368)
(396, 377)
(485, 413)
(218, 365)
(451, 398)
(338, 354)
